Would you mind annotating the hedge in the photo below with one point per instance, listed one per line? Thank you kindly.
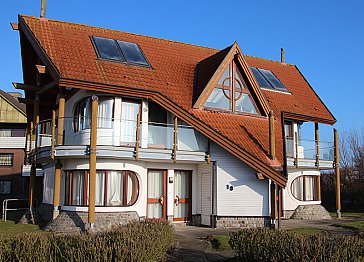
(139, 241)
(280, 245)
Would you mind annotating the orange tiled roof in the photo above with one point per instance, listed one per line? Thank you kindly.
(173, 74)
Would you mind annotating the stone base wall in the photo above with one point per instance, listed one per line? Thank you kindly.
(311, 212)
(242, 222)
(76, 222)
(287, 214)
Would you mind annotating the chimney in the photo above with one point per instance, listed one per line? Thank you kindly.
(282, 55)
(272, 139)
(43, 8)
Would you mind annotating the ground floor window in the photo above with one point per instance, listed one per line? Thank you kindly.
(5, 187)
(305, 188)
(113, 188)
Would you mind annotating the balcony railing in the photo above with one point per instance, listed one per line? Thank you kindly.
(122, 132)
(306, 149)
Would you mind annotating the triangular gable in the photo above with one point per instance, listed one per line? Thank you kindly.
(233, 55)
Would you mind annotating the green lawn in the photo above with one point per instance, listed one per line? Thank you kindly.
(220, 243)
(9, 228)
(306, 231)
(348, 214)
(355, 225)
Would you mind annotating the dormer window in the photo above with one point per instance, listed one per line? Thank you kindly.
(231, 93)
(119, 51)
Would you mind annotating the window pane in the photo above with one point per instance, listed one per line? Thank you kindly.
(6, 159)
(260, 78)
(304, 188)
(78, 184)
(133, 188)
(115, 184)
(105, 112)
(273, 79)
(224, 76)
(100, 188)
(132, 53)
(217, 99)
(5, 187)
(245, 104)
(108, 49)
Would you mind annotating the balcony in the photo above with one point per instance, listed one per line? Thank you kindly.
(306, 153)
(122, 138)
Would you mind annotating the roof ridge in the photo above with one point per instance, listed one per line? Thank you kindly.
(270, 60)
(129, 33)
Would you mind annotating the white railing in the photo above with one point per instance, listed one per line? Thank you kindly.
(6, 209)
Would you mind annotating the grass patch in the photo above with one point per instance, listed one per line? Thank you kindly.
(348, 214)
(10, 229)
(306, 231)
(220, 243)
(355, 225)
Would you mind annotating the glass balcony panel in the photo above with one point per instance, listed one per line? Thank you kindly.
(191, 140)
(44, 130)
(327, 151)
(307, 149)
(290, 147)
(160, 135)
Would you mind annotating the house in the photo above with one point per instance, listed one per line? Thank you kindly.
(13, 123)
(135, 127)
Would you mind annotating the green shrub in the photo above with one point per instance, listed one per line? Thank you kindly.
(140, 241)
(279, 245)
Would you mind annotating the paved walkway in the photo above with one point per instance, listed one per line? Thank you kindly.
(192, 244)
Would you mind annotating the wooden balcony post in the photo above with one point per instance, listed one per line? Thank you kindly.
(32, 175)
(36, 125)
(319, 187)
(92, 175)
(272, 142)
(137, 142)
(57, 189)
(175, 139)
(296, 147)
(337, 173)
(53, 133)
(317, 142)
(273, 204)
(61, 106)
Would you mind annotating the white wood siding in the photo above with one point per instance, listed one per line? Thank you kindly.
(249, 197)
(12, 142)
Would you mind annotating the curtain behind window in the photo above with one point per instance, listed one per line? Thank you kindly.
(129, 113)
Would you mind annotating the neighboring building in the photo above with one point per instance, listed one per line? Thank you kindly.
(172, 141)
(13, 123)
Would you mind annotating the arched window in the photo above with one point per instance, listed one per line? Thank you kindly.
(305, 188)
(113, 188)
(82, 113)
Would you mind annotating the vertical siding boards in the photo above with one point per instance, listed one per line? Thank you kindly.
(249, 197)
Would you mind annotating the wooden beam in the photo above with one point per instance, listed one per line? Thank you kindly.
(41, 69)
(53, 133)
(175, 139)
(32, 175)
(57, 189)
(14, 26)
(272, 139)
(317, 142)
(43, 89)
(137, 142)
(61, 108)
(92, 175)
(294, 116)
(29, 101)
(337, 173)
(25, 87)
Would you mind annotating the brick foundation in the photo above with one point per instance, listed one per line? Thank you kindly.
(74, 222)
(242, 222)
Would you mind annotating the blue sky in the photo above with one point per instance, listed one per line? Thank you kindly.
(325, 39)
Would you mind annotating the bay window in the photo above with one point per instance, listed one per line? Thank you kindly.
(305, 188)
(113, 188)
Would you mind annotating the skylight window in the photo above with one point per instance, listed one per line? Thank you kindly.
(119, 51)
(266, 79)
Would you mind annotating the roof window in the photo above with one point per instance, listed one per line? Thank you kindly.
(119, 51)
(266, 79)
